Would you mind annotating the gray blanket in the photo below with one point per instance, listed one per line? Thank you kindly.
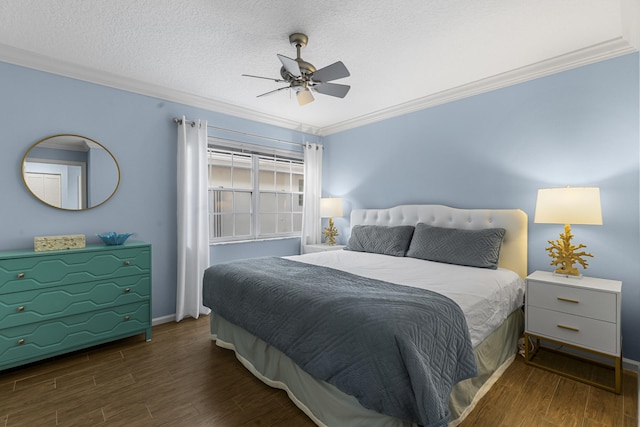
(399, 350)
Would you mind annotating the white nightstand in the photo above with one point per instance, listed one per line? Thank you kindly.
(580, 313)
(321, 247)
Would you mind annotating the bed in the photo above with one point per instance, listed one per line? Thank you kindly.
(325, 372)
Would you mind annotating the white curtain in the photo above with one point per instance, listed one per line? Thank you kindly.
(311, 226)
(193, 224)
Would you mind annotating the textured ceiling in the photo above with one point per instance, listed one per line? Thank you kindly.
(402, 54)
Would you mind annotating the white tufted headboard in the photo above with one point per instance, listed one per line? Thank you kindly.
(513, 254)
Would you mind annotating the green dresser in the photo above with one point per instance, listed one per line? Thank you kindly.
(60, 301)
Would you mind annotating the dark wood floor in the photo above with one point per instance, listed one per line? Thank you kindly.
(181, 378)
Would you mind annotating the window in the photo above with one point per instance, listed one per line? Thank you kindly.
(254, 195)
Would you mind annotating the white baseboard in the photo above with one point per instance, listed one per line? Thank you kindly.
(630, 365)
(163, 319)
(166, 319)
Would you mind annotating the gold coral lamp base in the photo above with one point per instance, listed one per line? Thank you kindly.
(330, 233)
(565, 254)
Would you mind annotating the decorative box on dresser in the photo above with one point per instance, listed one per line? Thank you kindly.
(60, 301)
(581, 313)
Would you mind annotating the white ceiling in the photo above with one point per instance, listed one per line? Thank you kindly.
(403, 55)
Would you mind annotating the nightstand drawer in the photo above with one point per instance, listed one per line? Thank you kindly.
(580, 331)
(573, 300)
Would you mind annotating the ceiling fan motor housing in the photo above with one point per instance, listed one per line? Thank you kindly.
(306, 70)
(298, 85)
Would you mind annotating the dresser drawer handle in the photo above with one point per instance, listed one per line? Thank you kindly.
(21, 341)
(20, 275)
(569, 328)
(568, 300)
(127, 263)
(127, 290)
(21, 308)
(126, 318)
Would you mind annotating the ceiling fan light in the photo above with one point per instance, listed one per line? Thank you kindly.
(304, 97)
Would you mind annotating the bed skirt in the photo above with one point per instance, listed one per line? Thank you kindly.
(328, 406)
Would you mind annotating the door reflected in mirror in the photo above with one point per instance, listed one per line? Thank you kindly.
(70, 172)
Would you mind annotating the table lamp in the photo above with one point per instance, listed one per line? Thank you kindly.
(568, 205)
(329, 208)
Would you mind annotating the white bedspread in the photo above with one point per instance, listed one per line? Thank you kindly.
(486, 296)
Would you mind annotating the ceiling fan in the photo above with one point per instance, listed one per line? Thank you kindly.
(303, 78)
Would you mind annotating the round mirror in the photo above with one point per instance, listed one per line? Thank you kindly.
(70, 172)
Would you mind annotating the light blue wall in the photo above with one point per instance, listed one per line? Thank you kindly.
(139, 132)
(494, 150)
(234, 251)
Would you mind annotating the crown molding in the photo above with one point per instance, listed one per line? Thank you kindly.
(39, 62)
(630, 10)
(599, 52)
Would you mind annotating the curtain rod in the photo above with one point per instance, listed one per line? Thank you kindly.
(192, 123)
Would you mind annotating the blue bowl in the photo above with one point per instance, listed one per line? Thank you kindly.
(112, 238)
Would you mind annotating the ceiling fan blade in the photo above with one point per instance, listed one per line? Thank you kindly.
(332, 89)
(335, 71)
(272, 91)
(291, 65)
(304, 97)
(266, 78)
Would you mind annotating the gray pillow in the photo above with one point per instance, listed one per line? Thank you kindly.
(380, 240)
(473, 248)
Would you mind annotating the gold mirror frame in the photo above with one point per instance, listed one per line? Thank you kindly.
(75, 145)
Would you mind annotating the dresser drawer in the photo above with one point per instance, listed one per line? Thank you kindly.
(34, 341)
(580, 331)
(56, 269)
(573, 300)
(37, 305)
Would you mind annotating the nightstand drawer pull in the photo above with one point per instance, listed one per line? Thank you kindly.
(568, 300)
(127, 263)
(127, 290)
(21, 308)
(20, 275)
(20, 341)
(569, 328)
(126, 318)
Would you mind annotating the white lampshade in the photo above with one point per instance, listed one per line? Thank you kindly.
(304, 97)
(331, 207)
(568, 205)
